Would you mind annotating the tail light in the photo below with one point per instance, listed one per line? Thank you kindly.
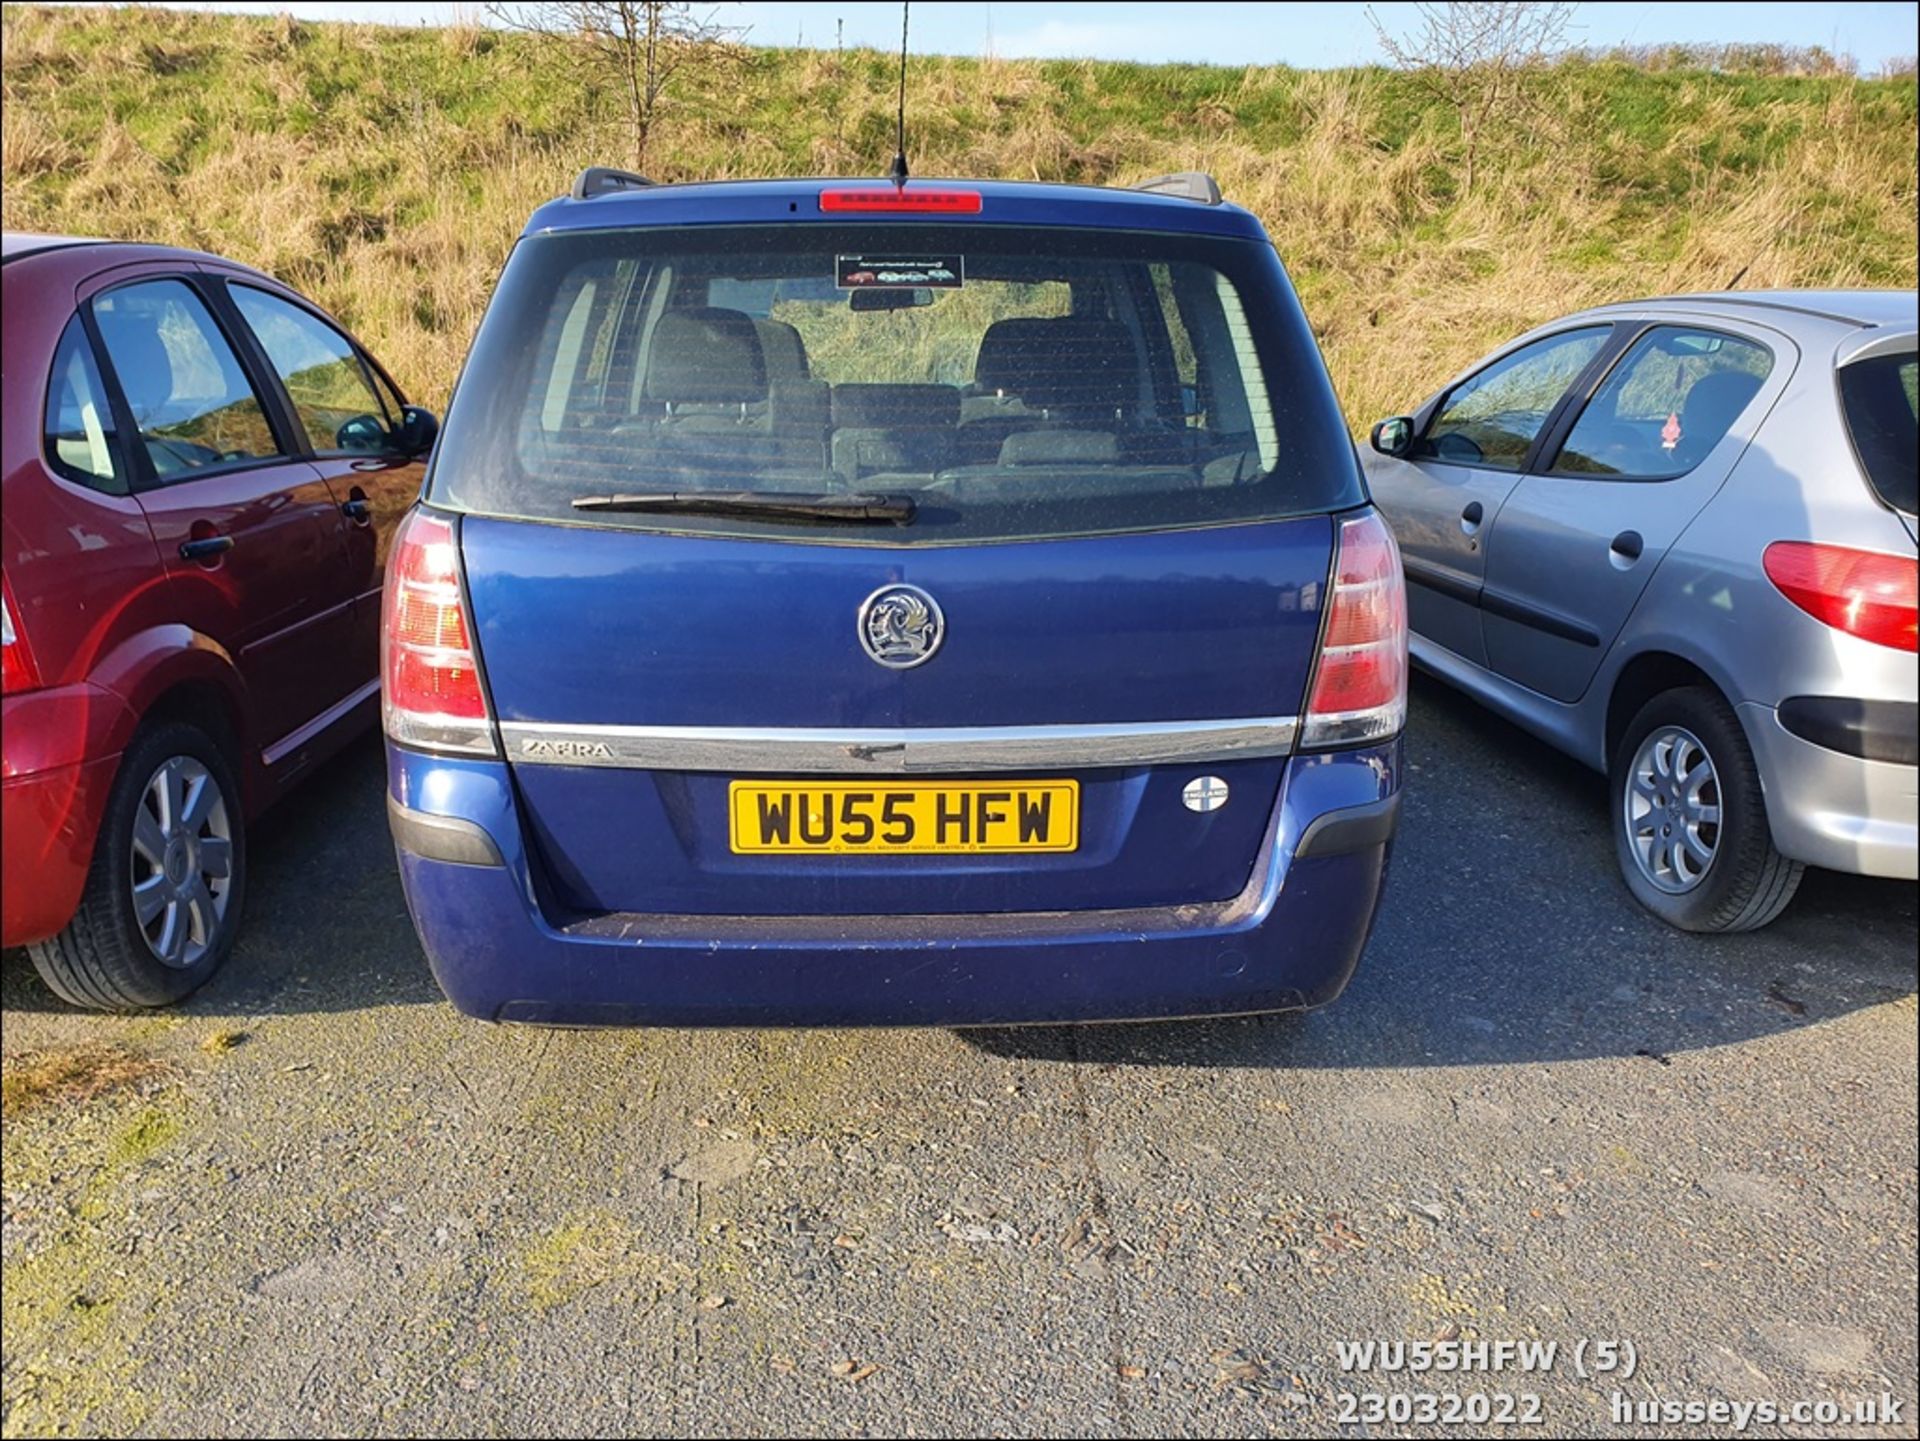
(432, 696)
(1360, 685)
(1867, 593)
(17, 670)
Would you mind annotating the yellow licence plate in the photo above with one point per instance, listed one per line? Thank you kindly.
(859, 817)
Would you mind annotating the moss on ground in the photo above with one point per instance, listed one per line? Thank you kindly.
(72, 1337)
(594, 1248)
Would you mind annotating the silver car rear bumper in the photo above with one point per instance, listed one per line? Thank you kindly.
(1835, 810)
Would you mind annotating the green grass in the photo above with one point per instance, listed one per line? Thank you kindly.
(387, 171)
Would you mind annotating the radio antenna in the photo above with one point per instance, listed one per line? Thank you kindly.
(897, 172)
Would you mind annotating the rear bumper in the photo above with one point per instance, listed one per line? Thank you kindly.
(48, 822)
(1829, 808)
(53, 792)
(1289, 940)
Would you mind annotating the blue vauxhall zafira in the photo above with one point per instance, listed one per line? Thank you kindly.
(868, 603)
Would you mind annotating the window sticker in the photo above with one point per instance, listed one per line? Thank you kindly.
(890, 271)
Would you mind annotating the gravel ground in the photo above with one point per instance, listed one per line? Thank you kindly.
(1536, 1114)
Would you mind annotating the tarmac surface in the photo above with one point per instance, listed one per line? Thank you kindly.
(1536, 1115)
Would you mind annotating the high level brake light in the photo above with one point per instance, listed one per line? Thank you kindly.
(430, 681)
(898, 198)
(1360, 684)
(1867, 593)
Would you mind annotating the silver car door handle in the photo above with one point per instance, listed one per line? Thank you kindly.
(1626, 548)
(1471, 517)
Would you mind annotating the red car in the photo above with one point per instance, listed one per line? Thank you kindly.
(201, 473)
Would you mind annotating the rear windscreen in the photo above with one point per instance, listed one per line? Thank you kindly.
(1879, 396)
(1011, 382)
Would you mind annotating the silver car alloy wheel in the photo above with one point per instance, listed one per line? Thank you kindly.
(182, 861)
(1672, 809)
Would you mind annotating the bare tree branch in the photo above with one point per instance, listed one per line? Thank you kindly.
(1478, 57)
(640, 47)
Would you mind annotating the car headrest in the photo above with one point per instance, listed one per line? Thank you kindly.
(1715, 402)
(783, 349)
(1007, 354)
(1095, 369)
(858, 405)
(139, 359)
(706, 356)
(1060, 447)
(1066, 362)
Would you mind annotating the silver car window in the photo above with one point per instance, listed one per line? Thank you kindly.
(1665, 405)
(1491, 418)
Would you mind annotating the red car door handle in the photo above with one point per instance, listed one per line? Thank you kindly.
(206, 548)
(357, 510)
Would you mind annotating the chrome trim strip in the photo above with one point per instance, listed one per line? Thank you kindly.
(449, 735)
(301, 734)
(750, 751)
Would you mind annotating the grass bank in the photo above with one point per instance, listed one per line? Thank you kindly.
(386, 171)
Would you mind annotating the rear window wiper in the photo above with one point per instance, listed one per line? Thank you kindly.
(836, 507)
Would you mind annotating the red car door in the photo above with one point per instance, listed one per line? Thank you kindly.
(350, 418)
(253, 539)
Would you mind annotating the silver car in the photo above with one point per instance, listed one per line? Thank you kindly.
(1676, 539)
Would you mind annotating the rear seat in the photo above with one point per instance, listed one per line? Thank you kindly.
(736, 402)
(899, 429)
(1063, 464)
(784, 352)
(1062, 372)
(798, 408)
(994, 406)
(1063, 481)
(798, 413)
(705, 370)
(1060, 447)
(721, 420)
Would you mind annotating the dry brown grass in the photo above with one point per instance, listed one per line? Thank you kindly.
(387, 172)
(74, 1074)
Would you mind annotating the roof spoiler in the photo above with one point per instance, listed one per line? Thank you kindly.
(1874, 342)
(604, 180)
(1194, 185)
